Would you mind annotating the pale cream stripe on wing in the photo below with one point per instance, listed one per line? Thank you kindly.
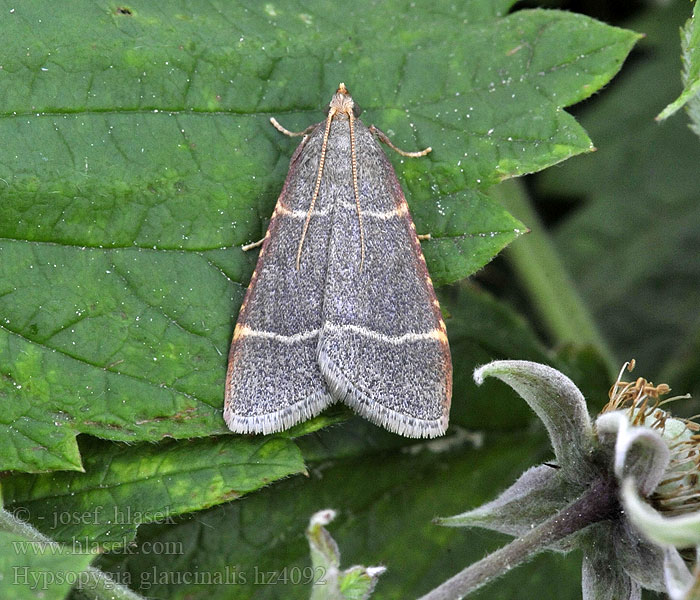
(246, 331)
(372, 214)
(400, 211)
(301, 214)
(435, 334)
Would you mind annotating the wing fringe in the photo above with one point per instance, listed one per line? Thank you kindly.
(279, 420)
(343, 390)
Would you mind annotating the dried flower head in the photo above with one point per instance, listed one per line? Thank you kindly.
(678, 492)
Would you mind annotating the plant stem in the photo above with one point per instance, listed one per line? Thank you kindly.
(598, 503)
(542, 274)
(8, 522)
(99, 585)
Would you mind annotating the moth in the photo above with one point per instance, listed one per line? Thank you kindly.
(340, 307)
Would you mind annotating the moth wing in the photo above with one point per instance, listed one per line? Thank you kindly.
(273, 379)
(383, 348)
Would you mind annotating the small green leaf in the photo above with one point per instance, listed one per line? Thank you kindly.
(126, 486)
(690, 53)
(538, 493)
(599, 580)
(330, 583)
(679, 581)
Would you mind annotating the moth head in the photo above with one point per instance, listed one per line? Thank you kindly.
(343, 103)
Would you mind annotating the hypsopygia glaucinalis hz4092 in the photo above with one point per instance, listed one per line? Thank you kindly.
(340, 306)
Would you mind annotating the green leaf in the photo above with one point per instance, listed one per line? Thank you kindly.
(690, 48)
(126, 486)
(384, 521)
(137, 151)
(330, 583)
(466, 232)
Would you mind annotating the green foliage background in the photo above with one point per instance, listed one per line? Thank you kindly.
(137, 158)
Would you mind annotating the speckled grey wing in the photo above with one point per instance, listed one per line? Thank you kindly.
(273, 379)
(383, 348)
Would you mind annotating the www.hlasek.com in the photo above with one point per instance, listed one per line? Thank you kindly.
(89, 546)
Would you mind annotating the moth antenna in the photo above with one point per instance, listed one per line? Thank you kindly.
(353, 162)
(252, 245)
(383, 137)
(285, 131)
(317, 187)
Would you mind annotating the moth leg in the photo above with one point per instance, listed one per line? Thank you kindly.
(421, 236)
(252, 245)
(285, 131)
(383, 137)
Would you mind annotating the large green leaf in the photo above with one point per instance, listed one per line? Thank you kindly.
(126, 486)
(137, 157)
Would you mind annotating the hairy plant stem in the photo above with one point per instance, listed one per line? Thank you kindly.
(96, 586)
(598, 503)
(544, 278)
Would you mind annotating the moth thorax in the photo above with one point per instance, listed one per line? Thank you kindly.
(342, 101)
